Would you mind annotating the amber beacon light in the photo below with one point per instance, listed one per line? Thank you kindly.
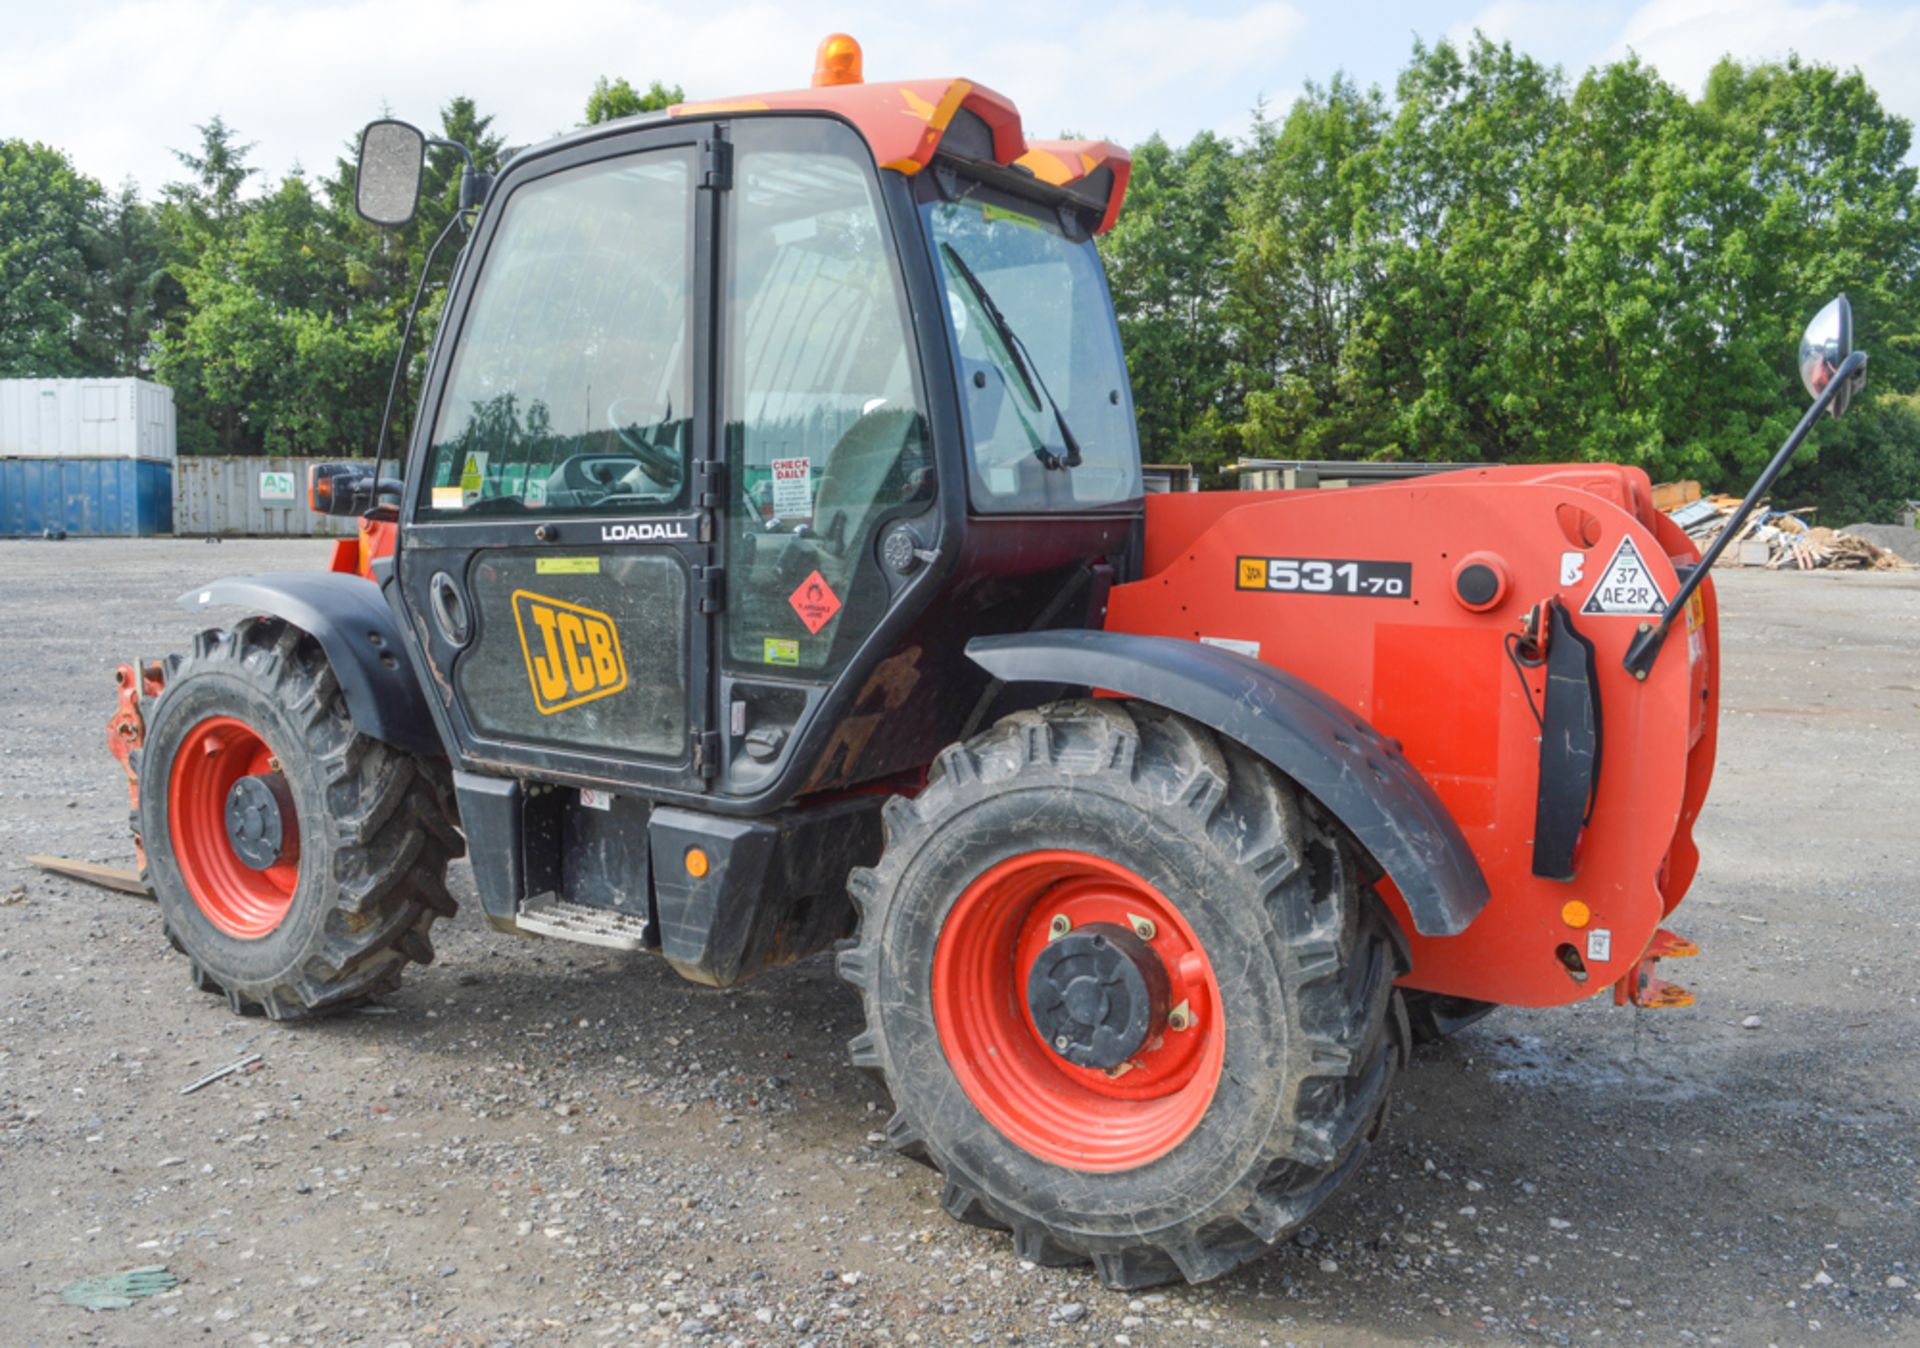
(837, 61)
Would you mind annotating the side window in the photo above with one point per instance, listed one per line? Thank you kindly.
(826, 432)
(572, 388)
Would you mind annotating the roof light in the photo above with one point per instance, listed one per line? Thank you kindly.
(837, 61)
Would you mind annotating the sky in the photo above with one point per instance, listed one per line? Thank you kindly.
(118, 84)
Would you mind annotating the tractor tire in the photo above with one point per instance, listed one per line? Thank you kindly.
(359, 833)
(1179, 1150)
(1435, 1016)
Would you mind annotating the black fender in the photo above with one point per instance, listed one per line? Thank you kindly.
(1355, 773)
(350, 619)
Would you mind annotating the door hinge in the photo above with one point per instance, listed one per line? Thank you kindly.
(713, 588)
(716, 164)
(709, 483)
(706, 755)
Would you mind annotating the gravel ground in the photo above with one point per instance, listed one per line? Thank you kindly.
(541, 1143)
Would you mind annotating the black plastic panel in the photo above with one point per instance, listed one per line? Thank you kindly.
(594, 658)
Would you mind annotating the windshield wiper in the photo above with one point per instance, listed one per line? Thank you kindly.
(1023, 363)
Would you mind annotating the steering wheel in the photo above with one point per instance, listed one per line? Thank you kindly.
(593, 476)
(661, 463)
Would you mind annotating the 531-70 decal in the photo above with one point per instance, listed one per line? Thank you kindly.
(1326, 575)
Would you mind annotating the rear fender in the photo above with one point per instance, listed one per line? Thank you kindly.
(360, 635)
(1342, 762)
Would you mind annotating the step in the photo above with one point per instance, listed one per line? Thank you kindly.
(550, 916)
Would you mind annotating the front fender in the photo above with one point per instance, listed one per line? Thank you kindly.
(1350, 768)
(360, 636)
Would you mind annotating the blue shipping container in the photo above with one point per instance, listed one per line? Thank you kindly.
(128, 497)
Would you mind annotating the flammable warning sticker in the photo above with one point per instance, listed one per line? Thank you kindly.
(1626, 587)
(815, 602)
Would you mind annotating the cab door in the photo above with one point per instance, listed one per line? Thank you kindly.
(557, 539)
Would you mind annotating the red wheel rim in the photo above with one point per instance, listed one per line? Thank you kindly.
(242, 902)
(1080, 1117)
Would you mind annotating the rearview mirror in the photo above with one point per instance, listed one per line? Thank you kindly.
(386, 187)
(1827, 341)
(339, 489)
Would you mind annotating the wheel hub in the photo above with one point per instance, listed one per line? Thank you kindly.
(257, 809)
(1097, 995)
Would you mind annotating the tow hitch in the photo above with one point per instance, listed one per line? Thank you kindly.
(1643, 987)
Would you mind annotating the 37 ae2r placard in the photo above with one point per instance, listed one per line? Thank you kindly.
(1326, 575)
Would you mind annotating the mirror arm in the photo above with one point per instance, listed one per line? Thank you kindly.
(1646, 643)
(406, 339)
(474, 185)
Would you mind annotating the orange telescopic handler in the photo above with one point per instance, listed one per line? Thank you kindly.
(768, 568)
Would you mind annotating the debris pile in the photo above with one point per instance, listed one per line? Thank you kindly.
(1780, 540)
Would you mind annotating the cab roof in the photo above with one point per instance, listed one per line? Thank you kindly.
(906, 122)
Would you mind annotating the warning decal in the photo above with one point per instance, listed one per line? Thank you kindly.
(1626, 587)
(815, 602)
(792, 489)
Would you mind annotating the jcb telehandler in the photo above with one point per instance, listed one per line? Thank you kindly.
(770, 568)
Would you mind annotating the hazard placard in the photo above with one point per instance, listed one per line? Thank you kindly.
(1626, 587)
(815, 602)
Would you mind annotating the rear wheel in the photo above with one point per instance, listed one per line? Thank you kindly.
(299, 864)
(1127, 990)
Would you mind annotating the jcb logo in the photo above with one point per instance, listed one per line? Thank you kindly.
(573, 653)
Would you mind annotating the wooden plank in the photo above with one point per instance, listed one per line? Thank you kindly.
(107, 877)
(1670, 496)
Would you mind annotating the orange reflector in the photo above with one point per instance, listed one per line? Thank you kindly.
(696, 862)
(1575, 913)
(837, 61)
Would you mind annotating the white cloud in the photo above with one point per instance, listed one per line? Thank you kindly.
(1549, 30)
(1684, 38)
(119, 84)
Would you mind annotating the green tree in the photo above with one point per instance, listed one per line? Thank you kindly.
(126, 260)
(1167, 269)
(46, 219)
(613, 99)
(1295, 301)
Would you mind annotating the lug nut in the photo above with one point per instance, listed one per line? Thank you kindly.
(1180, 1018)
(1061, 1042)
(1060, 926)
(1142, 926)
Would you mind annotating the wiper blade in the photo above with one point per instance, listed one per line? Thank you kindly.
(1023, 363)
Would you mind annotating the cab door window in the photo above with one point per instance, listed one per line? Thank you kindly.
(826, 433)
(572, 389)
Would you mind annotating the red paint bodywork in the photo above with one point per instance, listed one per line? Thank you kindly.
(356, 556)
(1434, 674)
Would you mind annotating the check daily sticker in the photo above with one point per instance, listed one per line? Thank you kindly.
(792, 488)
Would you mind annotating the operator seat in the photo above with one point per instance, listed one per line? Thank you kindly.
(863, 475)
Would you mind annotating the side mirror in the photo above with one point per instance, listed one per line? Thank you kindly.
(386, 186)
(1827, 342)
(339, 489)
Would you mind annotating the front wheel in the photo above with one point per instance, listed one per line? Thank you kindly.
(298, 863)
(1129, 993)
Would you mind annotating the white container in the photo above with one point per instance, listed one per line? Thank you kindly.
(86, 419)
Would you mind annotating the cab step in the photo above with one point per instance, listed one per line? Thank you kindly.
(550, 916)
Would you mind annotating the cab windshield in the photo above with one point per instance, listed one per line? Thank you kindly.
(1025, 295)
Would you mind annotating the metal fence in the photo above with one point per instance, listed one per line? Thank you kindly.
(1296, 474)
(261, 496)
